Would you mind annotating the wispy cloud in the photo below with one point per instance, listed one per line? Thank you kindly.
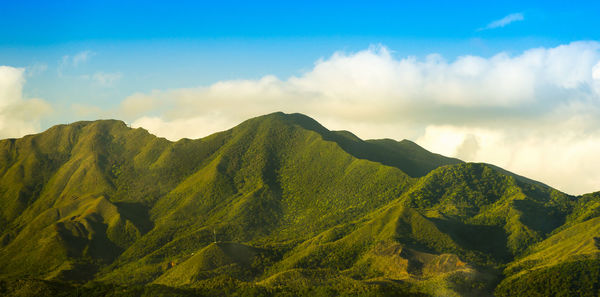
(36, 69)
(75, 60)
(106, 79)
(511, 18)
(82, 57)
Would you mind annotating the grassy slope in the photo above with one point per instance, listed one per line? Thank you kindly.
(99, 200)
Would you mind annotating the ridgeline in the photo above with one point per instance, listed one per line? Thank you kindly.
(279, 206)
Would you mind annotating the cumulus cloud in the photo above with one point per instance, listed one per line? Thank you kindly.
(18, 116)
(511, 18)
(535, 113)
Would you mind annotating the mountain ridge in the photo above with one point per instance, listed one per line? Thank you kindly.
(98, 201)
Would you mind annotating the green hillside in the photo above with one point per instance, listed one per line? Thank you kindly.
(276, 206)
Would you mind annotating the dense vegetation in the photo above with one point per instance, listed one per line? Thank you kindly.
(99, 209)
(217, 287)
(576, 278)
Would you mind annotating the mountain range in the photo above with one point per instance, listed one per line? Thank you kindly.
(279, 206)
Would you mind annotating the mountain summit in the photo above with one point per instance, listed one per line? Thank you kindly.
(278, 205)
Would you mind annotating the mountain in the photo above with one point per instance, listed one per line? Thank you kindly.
(278, 206)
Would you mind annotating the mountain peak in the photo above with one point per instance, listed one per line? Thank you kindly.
(298, 119)
(97, 123)
(404, 155)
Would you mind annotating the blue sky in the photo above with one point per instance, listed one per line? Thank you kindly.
(172, 44)
(514, 83)
(57, 22)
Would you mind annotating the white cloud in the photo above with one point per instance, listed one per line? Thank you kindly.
(106, 79)
(18, 116)
(596, 72)
(372, 85)
(535, 113)
(511, 18)
(200, 126)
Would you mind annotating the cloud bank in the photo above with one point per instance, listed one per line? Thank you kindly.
(536, 113)
(18, 115)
